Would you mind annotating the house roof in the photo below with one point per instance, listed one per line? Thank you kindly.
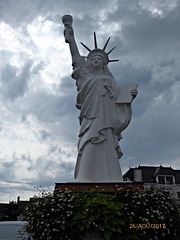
(149, 173)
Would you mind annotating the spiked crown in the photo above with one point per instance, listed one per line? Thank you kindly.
(98, 51)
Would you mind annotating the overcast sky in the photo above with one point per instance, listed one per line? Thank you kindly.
(38, 118)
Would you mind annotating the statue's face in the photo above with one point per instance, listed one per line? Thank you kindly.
(97, 61)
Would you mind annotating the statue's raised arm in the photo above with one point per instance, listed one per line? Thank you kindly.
(69, 35)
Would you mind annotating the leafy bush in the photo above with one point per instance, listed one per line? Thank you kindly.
(104, 211)
(129, 214)
(49, 217)
(153, 213)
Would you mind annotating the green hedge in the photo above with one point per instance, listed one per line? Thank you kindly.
(129, 214)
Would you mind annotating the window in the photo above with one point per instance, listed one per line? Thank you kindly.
(168, 180)
(178, 195)
(161, 179)
(127, 179)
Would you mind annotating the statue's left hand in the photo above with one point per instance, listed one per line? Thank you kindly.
(134, 93)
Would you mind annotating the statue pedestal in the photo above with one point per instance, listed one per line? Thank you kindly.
(98, 187)
(106, 187)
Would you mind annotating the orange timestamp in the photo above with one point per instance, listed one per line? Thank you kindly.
(147, 225)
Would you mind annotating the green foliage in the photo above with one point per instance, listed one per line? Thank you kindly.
(101, 210)
(129, 214)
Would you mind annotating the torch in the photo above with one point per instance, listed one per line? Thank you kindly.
(67, 21)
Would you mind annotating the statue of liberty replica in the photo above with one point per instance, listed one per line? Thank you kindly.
(105, 111)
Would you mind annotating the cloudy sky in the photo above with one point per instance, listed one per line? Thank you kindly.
(38, 118)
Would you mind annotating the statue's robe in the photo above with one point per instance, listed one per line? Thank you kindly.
(102, 119)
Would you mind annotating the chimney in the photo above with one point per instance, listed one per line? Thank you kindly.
(137, 175)
(18, 199)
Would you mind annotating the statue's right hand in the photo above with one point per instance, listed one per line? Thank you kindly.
(68, 31)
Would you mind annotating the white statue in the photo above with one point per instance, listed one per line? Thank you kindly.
(105, 111)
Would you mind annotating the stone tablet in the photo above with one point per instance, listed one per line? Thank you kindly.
(125, 95)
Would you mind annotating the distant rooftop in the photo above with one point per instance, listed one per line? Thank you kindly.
(149, 173)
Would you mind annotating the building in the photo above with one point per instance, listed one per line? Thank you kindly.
(13, 210)
(160, 176)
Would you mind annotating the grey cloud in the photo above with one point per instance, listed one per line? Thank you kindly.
(55, 150)
(23, 117)
(50, 172)
(44, 134)
(48, 168)
(143, 38)
(49, 108)
(60, 150)
(161, 5)
(21, 12)
(53, 109)
(7, 171)
(67, 166)
(148, 32)
(67, 86)
(52, 149)
(1, 125)
(37, 67)
(153, 137)
(15, 84)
